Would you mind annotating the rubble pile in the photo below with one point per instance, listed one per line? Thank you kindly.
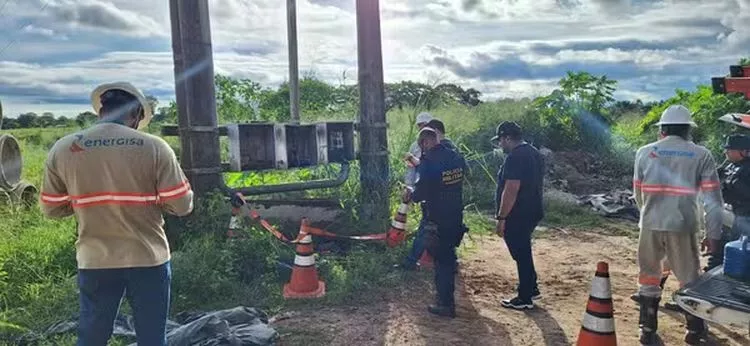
(580, 178)
(619, 204)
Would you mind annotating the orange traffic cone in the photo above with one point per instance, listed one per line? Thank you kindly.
(397, 232)
(598, 326)
(304, 282)
(426, 261)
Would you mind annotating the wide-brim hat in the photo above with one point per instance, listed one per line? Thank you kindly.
(96, 101)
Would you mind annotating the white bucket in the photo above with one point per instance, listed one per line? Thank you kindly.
(11, 162)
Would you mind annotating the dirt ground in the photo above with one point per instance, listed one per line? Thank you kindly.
(565, 263)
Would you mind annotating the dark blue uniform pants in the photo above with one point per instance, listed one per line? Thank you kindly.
(101, 290)
(518, 239)
(445, 274)
(441, 244)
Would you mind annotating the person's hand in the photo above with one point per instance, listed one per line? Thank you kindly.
(500, 228)
(411, 160)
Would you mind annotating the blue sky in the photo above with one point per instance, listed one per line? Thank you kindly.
(61, 49)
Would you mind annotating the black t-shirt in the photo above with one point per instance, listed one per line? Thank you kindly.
(526, 164)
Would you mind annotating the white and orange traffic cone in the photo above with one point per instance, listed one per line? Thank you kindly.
(397, 232)
(598, 326)
(304, 282)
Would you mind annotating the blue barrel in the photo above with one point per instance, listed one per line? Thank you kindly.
(737, 259)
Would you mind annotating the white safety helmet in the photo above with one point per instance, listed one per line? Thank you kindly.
(676, 115)
(96, 101)
(424, 118)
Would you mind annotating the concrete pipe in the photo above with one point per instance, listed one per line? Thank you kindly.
(26, 194)
(5, 198)
(11, 162)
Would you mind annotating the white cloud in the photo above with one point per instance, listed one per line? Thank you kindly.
(652, 47)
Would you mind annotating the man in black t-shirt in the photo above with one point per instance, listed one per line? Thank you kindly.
(520, 208)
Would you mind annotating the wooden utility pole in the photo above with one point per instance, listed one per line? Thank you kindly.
(291, 20)
(195, 94)
(373, 139)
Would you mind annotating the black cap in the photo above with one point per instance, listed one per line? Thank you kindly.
(507, 128)
(737, 142)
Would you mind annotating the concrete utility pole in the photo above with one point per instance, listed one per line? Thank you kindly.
(291, 20)
(195, 93)
(373, 138)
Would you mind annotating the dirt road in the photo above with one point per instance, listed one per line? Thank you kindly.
(565, 263)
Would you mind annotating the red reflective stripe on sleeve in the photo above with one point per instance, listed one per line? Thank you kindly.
(54, 199)
(174, 188)
(175, 196)
(710, 185)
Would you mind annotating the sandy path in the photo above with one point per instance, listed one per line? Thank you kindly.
(565, 264)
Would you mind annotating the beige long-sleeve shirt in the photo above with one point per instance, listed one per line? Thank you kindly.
(117, 182)
(668, 177)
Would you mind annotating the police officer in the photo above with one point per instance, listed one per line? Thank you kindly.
(735, 187)
(440, 187)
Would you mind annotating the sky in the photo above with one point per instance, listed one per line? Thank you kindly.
(54, 52)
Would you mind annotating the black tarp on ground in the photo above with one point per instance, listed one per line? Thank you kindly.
(240, 326)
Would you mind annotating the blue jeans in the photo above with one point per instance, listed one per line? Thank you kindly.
(518, 239)
(417, 246)
(101, 291)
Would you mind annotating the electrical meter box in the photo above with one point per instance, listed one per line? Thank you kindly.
(264, 146)
(257, 146)
(336, 141)
(302, 145)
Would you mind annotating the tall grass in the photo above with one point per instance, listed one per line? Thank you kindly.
(37, 254)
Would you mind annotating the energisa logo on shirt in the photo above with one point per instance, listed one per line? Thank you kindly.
(656, 153)
(81, 143)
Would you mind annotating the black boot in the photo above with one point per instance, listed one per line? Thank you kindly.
(636, 297)
(648, 320)
(697, 332)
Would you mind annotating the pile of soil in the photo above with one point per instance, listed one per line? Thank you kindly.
(581, 173)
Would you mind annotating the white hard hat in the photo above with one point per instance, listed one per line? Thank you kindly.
(424, 118)
(676, 115)
(96, 101)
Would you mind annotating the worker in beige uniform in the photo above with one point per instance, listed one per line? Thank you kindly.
(117, 182)
(668, 177)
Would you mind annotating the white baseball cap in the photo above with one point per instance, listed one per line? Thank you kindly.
(96, 101)
(424, 118)
(676, 115)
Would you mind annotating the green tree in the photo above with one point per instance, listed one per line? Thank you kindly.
(46, 120)
(573, 116)
(706, 107)
(28, 120)
(86, 118)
